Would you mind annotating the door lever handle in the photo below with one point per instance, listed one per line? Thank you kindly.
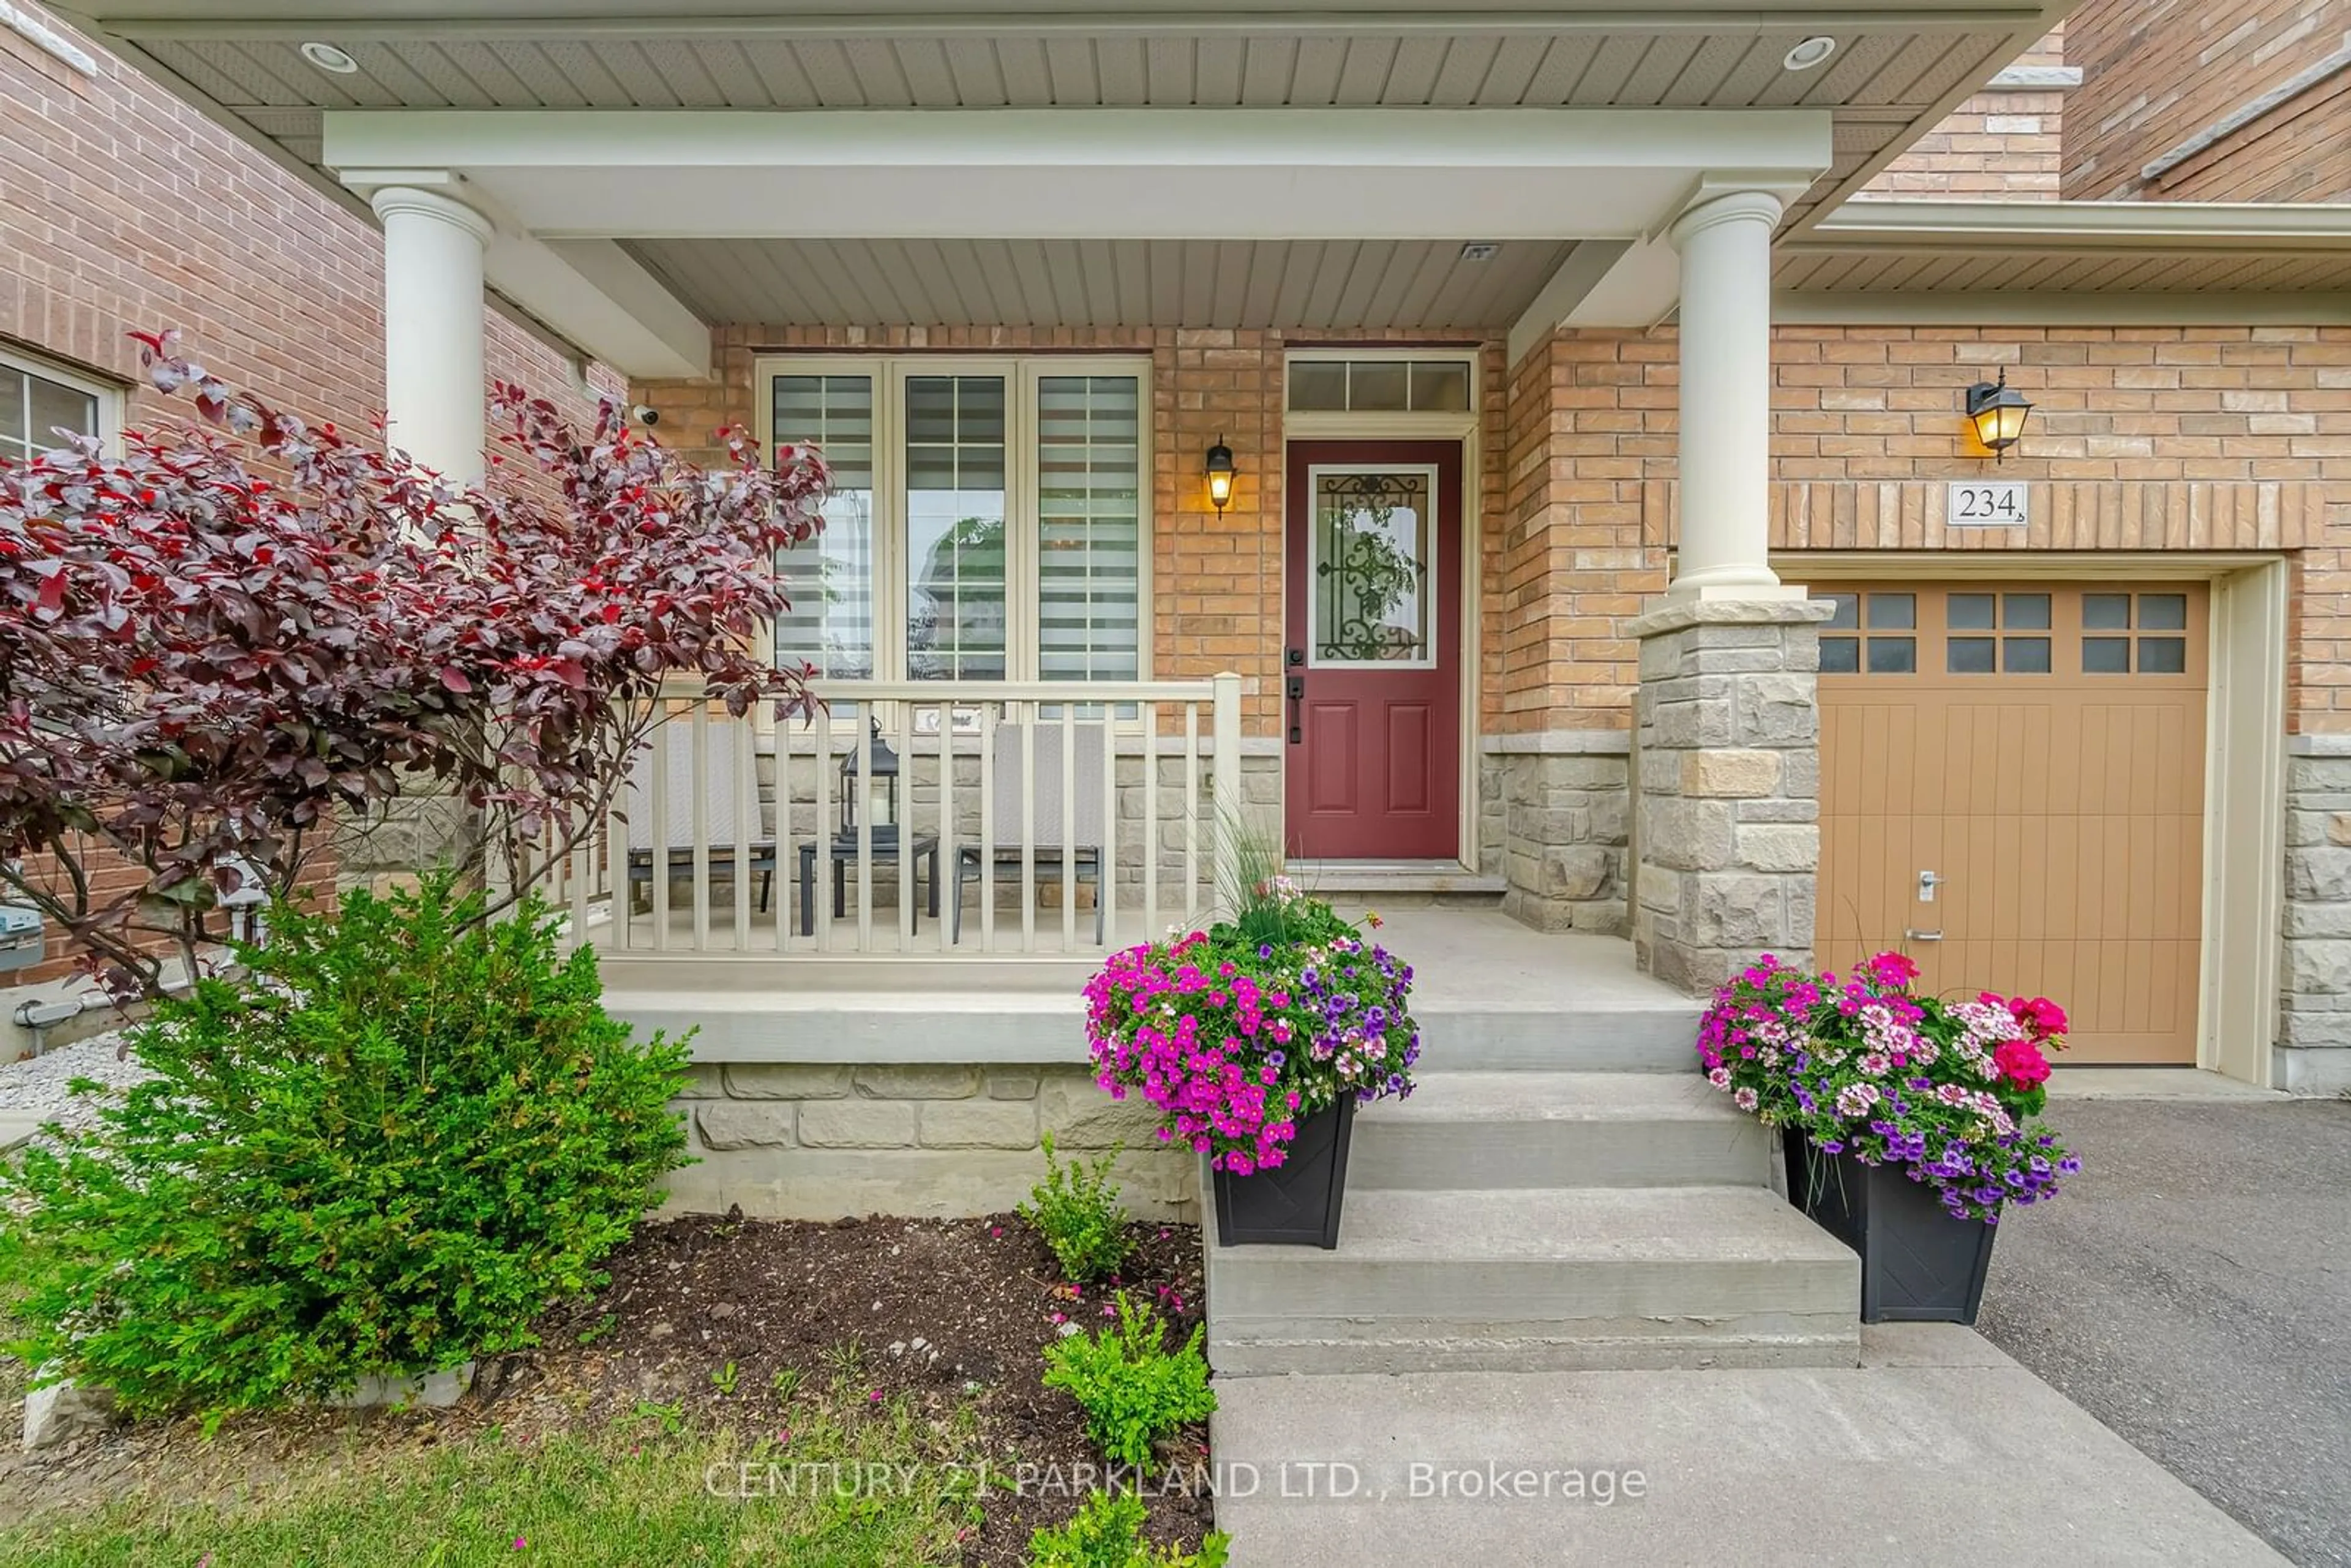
(1922, 936)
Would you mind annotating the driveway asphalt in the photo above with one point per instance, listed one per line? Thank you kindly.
(2191, 1289)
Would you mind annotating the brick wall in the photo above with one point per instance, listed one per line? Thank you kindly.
(2141, 438)
(1591, 414)
(121, 208)
(2157, 72)
(1217, 580)
(1996, 146)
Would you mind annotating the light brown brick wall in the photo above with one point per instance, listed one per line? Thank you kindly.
(121, 208)
(1997, 146)
(1217, 580)
(1591, 413)
(2204, 438)
(2156, 72)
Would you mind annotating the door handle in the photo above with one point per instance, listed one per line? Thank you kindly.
(1922, 936)
(1295, 687)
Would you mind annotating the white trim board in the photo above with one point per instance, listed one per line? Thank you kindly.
(2100, 226)
(1107, 174)
(2064, 307)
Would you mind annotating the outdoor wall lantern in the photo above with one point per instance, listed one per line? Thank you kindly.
(878, 799)
(1220, 475)
(1996, 415)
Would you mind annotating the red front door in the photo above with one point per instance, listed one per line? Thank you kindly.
(1371, 658)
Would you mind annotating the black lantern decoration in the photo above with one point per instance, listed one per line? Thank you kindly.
(1997, 412)
(878, 799)
(1220, 475)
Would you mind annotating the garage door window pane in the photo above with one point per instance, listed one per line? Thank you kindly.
(2163, 655)
(2163, 612)
(1848, 611)
(1893, 611)
(1893, 656)
(1968, 612)
(2027, 655)
(1968, 655)
(1840, 655)
(2027, 611)
(2105, 656)
(2105, 612)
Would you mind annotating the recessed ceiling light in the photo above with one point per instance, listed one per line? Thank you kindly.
(328, 58)
(1480, 250)
(1810, 53)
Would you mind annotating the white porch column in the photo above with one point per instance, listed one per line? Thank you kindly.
(1726, 398)
(435, 388)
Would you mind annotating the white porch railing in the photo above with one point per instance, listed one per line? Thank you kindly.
(1017, 802)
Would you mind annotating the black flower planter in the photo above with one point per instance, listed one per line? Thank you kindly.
(1295, 1203)
(1918, 1263)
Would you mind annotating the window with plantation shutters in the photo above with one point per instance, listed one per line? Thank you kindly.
(987, 519)
(1089, 528)
(830, 581)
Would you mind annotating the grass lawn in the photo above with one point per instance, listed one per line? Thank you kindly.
(639, 1492)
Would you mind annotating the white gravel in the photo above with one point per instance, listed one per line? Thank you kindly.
(35, 1090)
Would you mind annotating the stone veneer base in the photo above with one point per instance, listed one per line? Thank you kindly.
(818, 1141)
(1727, 764)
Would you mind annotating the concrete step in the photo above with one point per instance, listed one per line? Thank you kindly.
(1520, 1279)
(1640, 1034)
(1497, 1130)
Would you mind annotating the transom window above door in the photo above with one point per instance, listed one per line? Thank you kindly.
(986, 518)
(1414, 382)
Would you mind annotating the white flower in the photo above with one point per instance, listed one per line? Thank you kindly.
(1745, 1099)
(1720, 1077)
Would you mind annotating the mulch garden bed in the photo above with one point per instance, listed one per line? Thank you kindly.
(945, 1314)
(931, 1306)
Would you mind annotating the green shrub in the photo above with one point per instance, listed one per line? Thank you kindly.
(383, 1155)
(1133, 1390)
(1076, 1209)
(1107, 1532)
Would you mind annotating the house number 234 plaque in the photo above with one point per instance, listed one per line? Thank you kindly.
(1992, 504)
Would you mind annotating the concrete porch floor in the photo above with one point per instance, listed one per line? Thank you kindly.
(1938, 1448)
(1484, 986)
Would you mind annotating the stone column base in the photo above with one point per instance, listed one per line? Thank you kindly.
(1727, 834)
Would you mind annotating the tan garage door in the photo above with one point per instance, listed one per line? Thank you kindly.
(2012, 792)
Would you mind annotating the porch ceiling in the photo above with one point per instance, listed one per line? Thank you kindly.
(1901, 63)
(1309, 285)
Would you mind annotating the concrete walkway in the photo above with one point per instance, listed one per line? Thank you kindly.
(1938, 1450)
(2190, 1290)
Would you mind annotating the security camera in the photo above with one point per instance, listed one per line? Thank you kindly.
(644, 415)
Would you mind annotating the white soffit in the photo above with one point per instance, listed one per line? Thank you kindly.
(1242, 174)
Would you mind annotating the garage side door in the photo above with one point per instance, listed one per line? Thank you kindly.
(2012, 792)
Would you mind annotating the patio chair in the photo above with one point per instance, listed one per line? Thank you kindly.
(1044, 788)
(720, 742)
